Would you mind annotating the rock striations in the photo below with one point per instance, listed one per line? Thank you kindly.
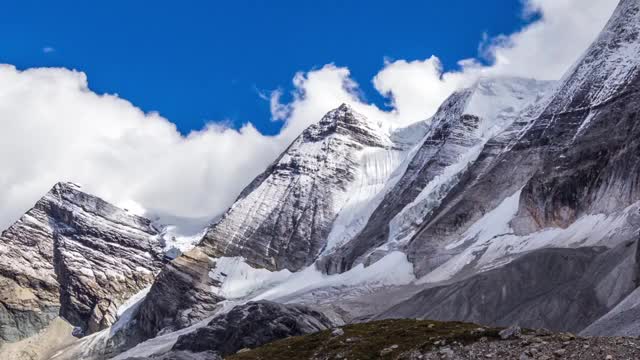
(76, 256)
(518, 202)
(282, 219)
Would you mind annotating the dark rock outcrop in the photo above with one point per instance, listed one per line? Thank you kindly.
(252, 325)
(180, 296)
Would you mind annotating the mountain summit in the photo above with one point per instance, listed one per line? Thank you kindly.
(518, 202)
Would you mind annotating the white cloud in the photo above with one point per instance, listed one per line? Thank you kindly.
(544, 50)
(53, 127)
(48, 49)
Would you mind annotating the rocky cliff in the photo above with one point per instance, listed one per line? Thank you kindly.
(76, 256)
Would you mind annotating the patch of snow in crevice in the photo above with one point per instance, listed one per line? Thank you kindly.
(380, 170)
(176, 243)
(243, 282)
(585, 124)
(128, 309)
(482, 232)
(393, 269)
(240, 280)
(403, 226)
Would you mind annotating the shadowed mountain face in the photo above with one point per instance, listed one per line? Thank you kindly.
(576, 164)
(283, 218)
(518, 202)
(560, 289)
(505, 171)
(76, 256)
(470, 124)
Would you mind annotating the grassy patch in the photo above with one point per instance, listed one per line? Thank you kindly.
(368, 340)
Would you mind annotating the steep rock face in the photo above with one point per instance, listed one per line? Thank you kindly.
(460, 129)
(181, 295)
(573, 160)
(252, 325)
(559, 289)
(282, 219)
(608, 66)
(590, 132)
(76, 256)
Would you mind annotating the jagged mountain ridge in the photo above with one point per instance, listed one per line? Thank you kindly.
(281, 221)
(570, 181)
(491, 194)
(76, 256)
(462, 126)
(181, 296)
(299, 195)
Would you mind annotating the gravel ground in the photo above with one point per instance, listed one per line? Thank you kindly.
(538, 346)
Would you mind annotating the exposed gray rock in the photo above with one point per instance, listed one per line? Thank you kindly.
(457, 129)
(252, 325)
(73, 255)
(622, 320)
(180, 296)
(282, 219)
(182, 355)
(512, 332)
(559, 289)
(579, 157)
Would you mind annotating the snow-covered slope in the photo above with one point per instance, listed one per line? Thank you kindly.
(458, 132)
(569, 178)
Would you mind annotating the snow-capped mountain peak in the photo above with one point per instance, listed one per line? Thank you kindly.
(299, 194)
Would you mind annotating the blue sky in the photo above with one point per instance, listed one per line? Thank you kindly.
(199, 61)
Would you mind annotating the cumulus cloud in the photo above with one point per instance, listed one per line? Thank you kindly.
(53, 127)
(544, 50)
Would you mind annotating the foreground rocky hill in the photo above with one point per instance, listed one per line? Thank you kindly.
(411, 339)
